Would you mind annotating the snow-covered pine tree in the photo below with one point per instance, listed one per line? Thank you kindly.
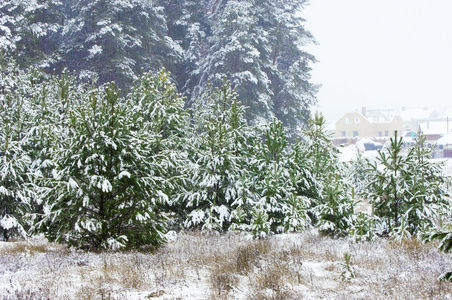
(161, 110)
(16, 189)
(336, 208)
(8, 22)
(260, 224)
(315, 173)
(286, 63)
(217, 195)
(387, 189)
(257, 45)
(156, 101)
(286, 210)
(189, 25)
(428, 197)
(234, 53)
(103, 191)
(407, 191)
(30, 29)
(114, 40)
(50, 101)
(313, 159)
(355, 173)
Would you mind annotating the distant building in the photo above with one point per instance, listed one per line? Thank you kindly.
(372, 124)
(433, 123)
(412, 118)
(434, 130)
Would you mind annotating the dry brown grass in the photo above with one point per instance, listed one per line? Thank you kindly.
(210, 266)
(32, 247)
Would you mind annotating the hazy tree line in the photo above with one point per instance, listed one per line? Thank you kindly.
(256, 44)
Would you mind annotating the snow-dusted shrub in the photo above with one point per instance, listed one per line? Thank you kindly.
(260, 224)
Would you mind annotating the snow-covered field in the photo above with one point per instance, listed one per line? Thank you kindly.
(200, 266)
(197, 266)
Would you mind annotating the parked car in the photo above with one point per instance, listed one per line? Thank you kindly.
(368, 145)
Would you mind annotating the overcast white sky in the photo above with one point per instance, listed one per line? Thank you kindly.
(381, 54)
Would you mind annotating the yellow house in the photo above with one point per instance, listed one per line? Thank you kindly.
(368, 125)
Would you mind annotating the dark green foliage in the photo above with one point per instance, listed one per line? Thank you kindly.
(113, 40)
(257, 45)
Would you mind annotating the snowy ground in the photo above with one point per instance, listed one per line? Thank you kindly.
(198, 266)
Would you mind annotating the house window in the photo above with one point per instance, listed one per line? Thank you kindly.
(380, 133)
(357, 120)
(347, 120)
(355, 133)
(386, 133)
(344, 133)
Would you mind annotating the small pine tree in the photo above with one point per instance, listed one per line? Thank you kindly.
(313, 159)
(407, 192)
(16, 125)
(336, 209)
(347, 270)
(217, 196)
(287, 210)
(260, 224)
(355, 173)
(160, 109)
(428, 197)
(387, 184)
(363, 227)
(105, 184)
(315, 173)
